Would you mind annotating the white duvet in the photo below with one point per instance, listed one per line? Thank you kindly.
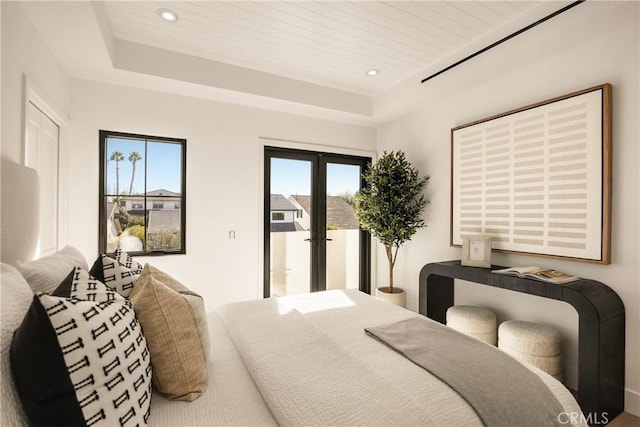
(231, 399)
(305, 360)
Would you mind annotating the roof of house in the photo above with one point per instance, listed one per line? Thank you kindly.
(278, 227)
(280, 203)
(164, 220)
(162, 192)
(339, 211)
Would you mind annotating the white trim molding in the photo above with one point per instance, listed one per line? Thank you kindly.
(34, 95)
(632, 402)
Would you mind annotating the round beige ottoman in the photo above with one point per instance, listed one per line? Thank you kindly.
(477, 322)
(533, 343)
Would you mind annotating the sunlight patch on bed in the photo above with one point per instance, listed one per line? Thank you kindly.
(318, 301)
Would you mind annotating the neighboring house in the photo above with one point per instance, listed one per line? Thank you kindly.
(283, 214)
(156, 200)
(164, 220)
(340, 214)
(159, 223)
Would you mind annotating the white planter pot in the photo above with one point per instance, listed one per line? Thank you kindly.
(398, 297)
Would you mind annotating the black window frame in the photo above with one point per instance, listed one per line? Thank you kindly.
(103, 194)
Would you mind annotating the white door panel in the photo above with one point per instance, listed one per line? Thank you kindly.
(41, 153)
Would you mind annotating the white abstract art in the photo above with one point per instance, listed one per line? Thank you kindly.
(537, 179)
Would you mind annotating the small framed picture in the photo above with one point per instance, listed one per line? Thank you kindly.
(476, 251)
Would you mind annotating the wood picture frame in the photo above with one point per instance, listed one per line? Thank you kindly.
(476, 251)
(538, 178)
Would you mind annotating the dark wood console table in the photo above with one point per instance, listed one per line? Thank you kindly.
(600, 334)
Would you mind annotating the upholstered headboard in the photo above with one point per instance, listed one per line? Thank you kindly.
(19, 212)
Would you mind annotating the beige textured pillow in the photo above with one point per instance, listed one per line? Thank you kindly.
(174, 323)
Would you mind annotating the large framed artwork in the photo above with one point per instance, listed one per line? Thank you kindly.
(537, 179)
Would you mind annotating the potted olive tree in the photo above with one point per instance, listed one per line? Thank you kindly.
(390, 207)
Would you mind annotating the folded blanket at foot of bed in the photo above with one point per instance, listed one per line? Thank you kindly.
(480, 373)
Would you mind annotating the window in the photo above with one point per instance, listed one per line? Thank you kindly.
(277, 216)
(138, 175)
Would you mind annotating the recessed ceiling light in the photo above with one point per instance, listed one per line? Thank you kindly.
(372, 72)
(168, 15)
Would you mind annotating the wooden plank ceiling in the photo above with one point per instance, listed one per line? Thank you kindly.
(331, 43)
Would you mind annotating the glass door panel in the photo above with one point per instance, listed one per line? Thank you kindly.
(312, 240)
(290, 226)
(343, 231)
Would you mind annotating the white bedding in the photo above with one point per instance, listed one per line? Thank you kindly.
(321, 368)
(231, 399)
(304, 385)
(306, 378)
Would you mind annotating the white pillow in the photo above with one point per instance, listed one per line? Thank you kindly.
(16, 298)
(46, 273)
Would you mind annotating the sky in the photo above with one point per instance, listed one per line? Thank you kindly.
(162, 161)
(293, 177)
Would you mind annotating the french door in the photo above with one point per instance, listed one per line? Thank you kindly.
(312, 240)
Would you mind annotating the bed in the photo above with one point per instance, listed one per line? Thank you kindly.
(297, 360)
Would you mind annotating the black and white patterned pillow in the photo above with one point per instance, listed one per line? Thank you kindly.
(80, 358)
(126, 260)
(119, 271)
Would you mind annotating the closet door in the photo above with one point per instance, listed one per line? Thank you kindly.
(41, 153)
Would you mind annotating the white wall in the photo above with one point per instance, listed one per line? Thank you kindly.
(26, 56)
(224, 176)
(25, 53)
(593, 43)
(290, 267)
(224, 158)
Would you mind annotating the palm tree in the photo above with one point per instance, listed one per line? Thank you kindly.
(134, 156)
(117, 157)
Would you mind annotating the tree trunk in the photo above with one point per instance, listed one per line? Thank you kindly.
(389, 250)
(117, 182)
(133, 174)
